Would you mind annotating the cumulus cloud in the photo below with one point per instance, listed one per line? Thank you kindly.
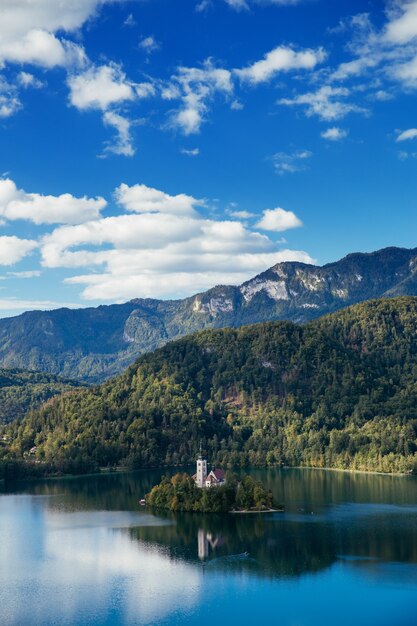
(281, 59)
(13, 249)
(16, 204)
(411, 133)
(334, 133)
(30, 31)
(278, 220)
(143, 199)
(162, 247)
(106, 88)
(197, 87)
(100, 87)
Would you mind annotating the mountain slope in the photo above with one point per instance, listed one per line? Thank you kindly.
(95, 343)
(340, 391)
(22, 391)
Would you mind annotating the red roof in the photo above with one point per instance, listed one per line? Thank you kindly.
(217, 475)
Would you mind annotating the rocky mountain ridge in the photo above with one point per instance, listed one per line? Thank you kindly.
(95, 343)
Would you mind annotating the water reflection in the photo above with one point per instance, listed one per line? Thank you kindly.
(82, 551)
(67, 564)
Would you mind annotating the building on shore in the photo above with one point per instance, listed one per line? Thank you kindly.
(215, 478)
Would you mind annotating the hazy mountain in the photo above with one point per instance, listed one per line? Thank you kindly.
(95, 343)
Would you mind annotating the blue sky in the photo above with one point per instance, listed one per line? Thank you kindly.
(160, 147)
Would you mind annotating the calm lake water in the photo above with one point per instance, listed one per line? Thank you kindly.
(81, 551)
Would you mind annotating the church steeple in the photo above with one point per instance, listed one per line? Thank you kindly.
(201, 469)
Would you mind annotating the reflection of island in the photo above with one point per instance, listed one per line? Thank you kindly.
(207, 540)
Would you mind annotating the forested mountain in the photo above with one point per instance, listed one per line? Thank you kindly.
(340, 391)
(22, 391)
(94, 343)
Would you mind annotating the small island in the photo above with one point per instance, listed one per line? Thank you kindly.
(207, 494)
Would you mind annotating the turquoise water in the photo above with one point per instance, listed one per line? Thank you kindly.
(83, 552)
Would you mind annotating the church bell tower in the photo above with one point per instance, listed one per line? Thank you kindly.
(201, 469)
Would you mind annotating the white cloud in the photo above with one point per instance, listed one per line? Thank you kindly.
(130, 20)
(242, 215)
(328, 103)
(29, 30)
(289, 163)
(174, 284)
(411, 133)
(192, 152)
(26, 80)
(334, 134)
(15, 304)
(13, 249)
(278, 220)
(238, 5)
(281, 59)
(389, 53)
(383, 96)
(143, 199)
(402, 27)
(203, 6)
(100, 87)
(406, 73)
(38, 47)
(149, 44)
(9, 99)
(123, 144)
(9, 105)
(106, 88)
(164, 247)
(16, 204)
(196, 87)
(25, 275)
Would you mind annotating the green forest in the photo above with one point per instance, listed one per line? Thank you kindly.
(22, 391)
(180, 493)
(337, 392)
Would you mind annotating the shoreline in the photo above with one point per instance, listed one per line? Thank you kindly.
(123, 469)
(339, 469)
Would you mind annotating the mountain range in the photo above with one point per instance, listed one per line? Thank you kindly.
(92, 344)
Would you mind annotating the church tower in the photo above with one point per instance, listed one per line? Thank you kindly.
(201, 470)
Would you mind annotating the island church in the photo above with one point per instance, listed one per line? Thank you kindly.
(215, 478)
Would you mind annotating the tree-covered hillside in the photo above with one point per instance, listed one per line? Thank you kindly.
(338, 392)
(22, 391)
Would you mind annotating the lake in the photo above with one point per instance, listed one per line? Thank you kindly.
(81, 551)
